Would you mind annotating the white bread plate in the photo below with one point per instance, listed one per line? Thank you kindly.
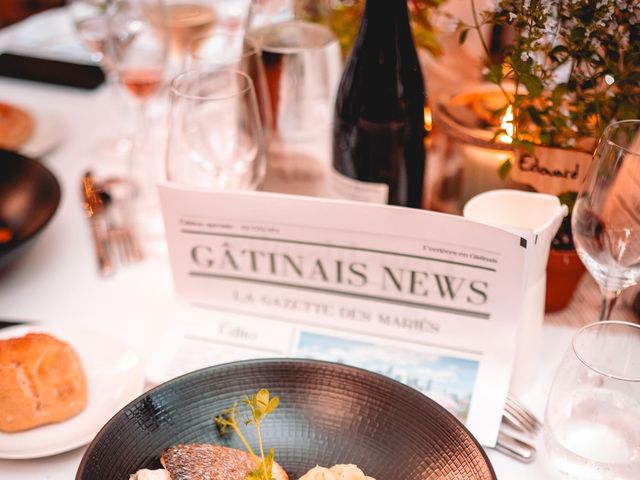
(114, 376)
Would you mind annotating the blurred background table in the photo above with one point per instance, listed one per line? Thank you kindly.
(56, 281)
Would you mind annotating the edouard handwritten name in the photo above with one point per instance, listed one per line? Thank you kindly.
(531, 164)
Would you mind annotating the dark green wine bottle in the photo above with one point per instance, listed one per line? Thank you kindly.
(379, 127)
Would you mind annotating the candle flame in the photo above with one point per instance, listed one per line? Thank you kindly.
(428, 119)
(507, 126)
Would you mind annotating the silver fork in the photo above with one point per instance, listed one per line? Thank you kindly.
(123, 241)
(116, 194)
(515, 448)
(520, 417)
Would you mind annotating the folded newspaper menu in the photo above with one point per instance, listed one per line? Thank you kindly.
(431, 300)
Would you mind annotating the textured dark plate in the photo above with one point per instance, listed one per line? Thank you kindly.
(29, 196)
(328, 414)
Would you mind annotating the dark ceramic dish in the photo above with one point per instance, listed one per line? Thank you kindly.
(29, 196)
(328, 414)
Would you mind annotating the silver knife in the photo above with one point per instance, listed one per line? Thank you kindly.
(94, 208)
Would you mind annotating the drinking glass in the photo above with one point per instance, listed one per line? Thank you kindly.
(139, 62)
(215, 135)
(302, 64)
(606, 216)
(92, 22)
(186, 20)
(592, 419)
(139, 59)
(232, 50)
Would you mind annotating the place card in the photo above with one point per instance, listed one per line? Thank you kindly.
(431, 300)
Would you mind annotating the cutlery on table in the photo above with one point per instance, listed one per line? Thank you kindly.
(520, 418)
(112, 233)
(94, 207)
(515, 448)
(126, 245)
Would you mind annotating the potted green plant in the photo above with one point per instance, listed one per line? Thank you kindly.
(567, 69)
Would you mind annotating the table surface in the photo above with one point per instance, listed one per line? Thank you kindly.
(56, 281)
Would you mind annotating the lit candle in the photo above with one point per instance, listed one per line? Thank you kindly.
(481, 170)
(482, 165)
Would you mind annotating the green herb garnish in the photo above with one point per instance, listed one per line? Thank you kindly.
(260, 405)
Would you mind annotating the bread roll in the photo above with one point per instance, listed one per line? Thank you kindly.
(41, 382)
(16, 126)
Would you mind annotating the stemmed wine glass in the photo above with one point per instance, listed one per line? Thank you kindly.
(215, 135)
(139, 62)
(232, 50)
(186, 20)
(91, 20)
(606, 216)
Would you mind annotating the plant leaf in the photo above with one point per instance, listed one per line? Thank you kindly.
(463, 36)
(504, 169)
(627, 111)
(577, 34)
(535, 116)
(273, 404)
(559, 53)
(533, 84)
(261, 400)
(495, 74)
(558, 93)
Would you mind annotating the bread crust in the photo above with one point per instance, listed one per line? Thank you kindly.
(212, 462)
(41, 381)
(16, 126)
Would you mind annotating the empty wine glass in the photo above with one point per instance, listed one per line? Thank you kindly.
(232, 50)
(592, 419)
(606, 216)
(90, 21)
(215, 135)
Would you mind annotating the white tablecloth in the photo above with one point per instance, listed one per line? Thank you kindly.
(56, 281)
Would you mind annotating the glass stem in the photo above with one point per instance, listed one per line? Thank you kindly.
(609, 298)
(137, 168)
(125, 140)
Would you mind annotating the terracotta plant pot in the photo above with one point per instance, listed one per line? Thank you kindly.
(564, 270)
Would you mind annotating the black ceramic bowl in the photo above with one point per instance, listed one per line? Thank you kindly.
(29, 196)
(328, 414)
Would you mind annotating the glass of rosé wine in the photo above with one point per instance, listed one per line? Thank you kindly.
(139, 63)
